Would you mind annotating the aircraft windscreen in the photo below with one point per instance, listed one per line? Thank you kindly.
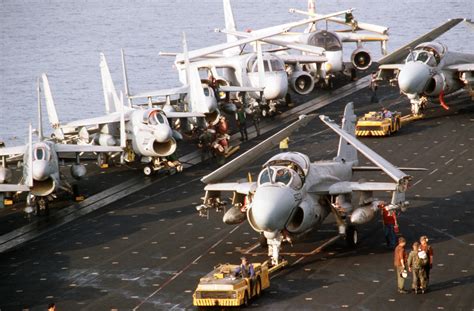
(280, 175)
(206, 91)
(422, 56)
(327, 40)
(253, 65)
(277, 65)
(265, 176)
(40, 154)
(155, 118)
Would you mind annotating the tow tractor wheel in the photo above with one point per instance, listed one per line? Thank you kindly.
(246, 300)
(258, 288)
(147, 170)
(352, 238)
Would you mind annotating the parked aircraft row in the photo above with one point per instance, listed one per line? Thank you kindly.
(281, 59)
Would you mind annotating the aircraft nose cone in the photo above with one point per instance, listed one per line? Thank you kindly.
(276, 85)
(162, 133)
(41, 170)
(271, 208)
(413, 78)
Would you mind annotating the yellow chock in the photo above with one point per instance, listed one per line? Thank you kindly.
(105, 165)
(79, 198)
(7, 202)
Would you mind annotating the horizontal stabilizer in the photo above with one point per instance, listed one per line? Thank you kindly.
(254, 153)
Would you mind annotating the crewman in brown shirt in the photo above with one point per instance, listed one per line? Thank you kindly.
(400, 264)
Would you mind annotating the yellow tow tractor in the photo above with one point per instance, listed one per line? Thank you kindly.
(221, 287)
(375, 124)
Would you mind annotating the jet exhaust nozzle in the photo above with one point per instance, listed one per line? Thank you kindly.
(361, 59)
(301, 82)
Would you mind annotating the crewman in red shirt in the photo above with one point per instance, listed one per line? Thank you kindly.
(389, 220)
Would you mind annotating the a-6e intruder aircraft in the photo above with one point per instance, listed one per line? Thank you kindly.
(257, 70)
(41, 168)
(143, 134)
(293, 195)
(322, 50)
(430, 70)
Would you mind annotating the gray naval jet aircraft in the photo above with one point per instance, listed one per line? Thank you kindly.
(41, 167)
(255, 71)
(322, 50)
(144, 135)
(293, 195)
(202, 96)
(429, 70)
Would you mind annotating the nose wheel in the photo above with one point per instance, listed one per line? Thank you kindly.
(147, 170)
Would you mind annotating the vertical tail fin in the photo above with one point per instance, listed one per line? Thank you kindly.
(196, 98)
(125, 79)
(346, 152)
(260, 66)
(28, 165)
(40, 116)
(112, 101)
(311, 10)
(51, 108)
(230, 25)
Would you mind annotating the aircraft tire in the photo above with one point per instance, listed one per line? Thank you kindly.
(147, 170)
(246, 300)
(262, 240)
(258, 288)
(352, 236)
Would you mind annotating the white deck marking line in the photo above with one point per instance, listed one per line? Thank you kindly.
(417, 183)
(186, 267)
(313, 252)
(439, 231)
(463, 152)
(446, 163)
(251, 248)
(432, 172)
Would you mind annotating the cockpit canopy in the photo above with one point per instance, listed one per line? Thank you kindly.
(154, 117)
(280, 175)
(270, 63)
(429, 53)
(41, 152)
(325, 39)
